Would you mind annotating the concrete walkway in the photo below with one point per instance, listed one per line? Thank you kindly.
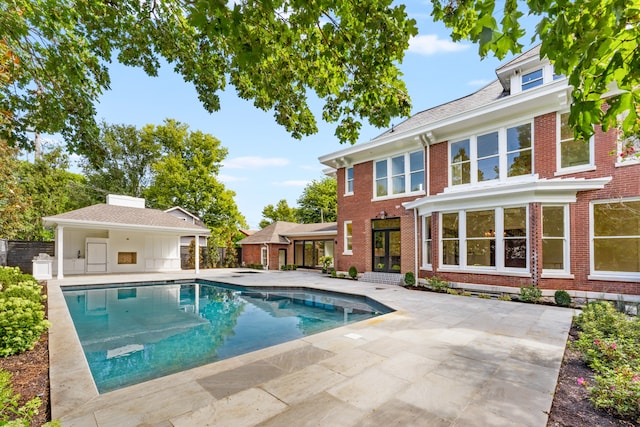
(439, 360)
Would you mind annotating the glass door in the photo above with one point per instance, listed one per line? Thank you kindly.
(386, 245)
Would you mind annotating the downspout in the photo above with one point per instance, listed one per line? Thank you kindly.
(415, 242)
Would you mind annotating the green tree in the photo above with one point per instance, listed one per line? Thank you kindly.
(123, 166)
(275, 53)
(593, 42)
(185, 176)
(14, 204)
(319, 201)
(280, 212)
(51, 190)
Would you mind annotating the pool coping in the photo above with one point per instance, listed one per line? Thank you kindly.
(388, 338)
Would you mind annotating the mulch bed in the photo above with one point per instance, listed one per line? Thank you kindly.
(571, 406)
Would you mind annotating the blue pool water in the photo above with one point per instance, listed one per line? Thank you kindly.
(134, 333)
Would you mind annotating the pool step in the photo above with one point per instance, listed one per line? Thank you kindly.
(382, 278)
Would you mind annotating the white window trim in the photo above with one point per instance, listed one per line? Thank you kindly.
(426, 264)
(345, 250)
(407, 176)
(591, 166)
(603, 274)
(264, 256)
(462, 245)
(502, 156)
(565, 272)
(346, 181)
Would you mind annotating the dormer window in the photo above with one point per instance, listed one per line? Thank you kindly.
(532, 79)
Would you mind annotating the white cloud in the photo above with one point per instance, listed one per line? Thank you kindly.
(430, 44)
(230, 178)
(292, 183)
(478, 82)
(252, 162)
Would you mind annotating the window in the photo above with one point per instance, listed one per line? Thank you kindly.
(481, 238)
(479, 158)
(515, 237)
(450, 239)
(573, 153)
(308, 253)
(402, 174)
(554, 238)
(519, 150)
(616, 236)
(427, 249)
(348, 237)
(460, 162)
(532, 79)
(489, 239)
(263, 256)
(349, 178)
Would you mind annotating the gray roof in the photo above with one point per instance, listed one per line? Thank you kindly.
(491, 92)
(534, 52)
(278, 231)
(125, 216)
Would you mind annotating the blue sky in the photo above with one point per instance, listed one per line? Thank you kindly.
(264, 163)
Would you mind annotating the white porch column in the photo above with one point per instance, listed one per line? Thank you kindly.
(197, 254)
(59, 253)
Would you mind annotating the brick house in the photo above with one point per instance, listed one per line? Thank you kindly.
(491, 190)
(285, 242)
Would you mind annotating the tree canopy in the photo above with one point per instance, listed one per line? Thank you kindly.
(319, 201)
(594, 43)
(55, 55)
(280, 212)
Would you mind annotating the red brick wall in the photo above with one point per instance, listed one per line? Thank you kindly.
(438, 167)
(361, 210)
(251, 254)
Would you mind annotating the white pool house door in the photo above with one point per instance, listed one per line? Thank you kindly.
(96, 257)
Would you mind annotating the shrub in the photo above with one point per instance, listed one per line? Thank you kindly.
(562, 298)
(334, 274)
(453, 292)
(610, 344)
(326, 262)
(531, 294)
(504, 297)
(21, 324)
(10, 408)
(438, 284)
(12, 276)
(409, 278)
(353, 272)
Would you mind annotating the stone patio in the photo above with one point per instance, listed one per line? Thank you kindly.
(438, 360)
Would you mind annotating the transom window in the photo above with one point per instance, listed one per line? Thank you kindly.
(349, 180)
(532, 79)
(493, 239)
(616, 237)
(399, 175)
(572, 153)
(497, 155)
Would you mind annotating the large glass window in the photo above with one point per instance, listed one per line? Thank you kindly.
(515, 237)
(554, 239)
(519, 150)
(381, 178)
(307, 253)
(349, 178)
(460, 162)
(616, 236)
(402, 174)
(427, 250)
(450, 239)
(573, 152)
(488, 157)
(478, 158)
(493, 239)
(348, 237)
(532, 79)
(481, 238)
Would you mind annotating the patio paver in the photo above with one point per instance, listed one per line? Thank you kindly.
(438, 360)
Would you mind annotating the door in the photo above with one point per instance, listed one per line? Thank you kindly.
(96, 257)
(282, 258)
(386, 245)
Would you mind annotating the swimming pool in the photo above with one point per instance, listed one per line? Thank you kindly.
(131, 333)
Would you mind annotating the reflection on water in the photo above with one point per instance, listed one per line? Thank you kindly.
(134, 334)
